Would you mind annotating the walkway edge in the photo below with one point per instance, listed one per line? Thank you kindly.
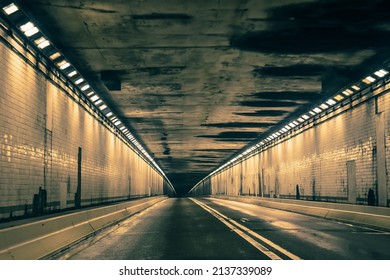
(42, 238)
(381, 221)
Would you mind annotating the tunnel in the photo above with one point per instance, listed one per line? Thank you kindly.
(195, 130)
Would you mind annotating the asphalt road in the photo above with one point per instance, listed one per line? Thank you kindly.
(182, 229)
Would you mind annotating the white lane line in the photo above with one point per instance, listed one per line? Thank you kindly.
(249, 239)
(249, 231)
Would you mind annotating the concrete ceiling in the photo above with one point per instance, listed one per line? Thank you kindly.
(201, 79)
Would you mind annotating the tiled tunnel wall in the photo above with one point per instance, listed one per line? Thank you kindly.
(45, 136)
(339, 158)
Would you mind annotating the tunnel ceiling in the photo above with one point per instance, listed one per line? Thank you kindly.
(201, 79)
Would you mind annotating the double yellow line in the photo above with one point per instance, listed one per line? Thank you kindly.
(249, 235)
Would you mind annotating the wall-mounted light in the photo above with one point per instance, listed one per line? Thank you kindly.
(29, 29)
(94, 98)
(368, 80)
(10, 9)
(339, 97)
(331, 102)
(55, 55)
(42, 42)
(317, 110)
(381, 73)
(84, 88)
(102, 107)
(79, 81)
(97, 103)
(73, 73)
(292, 125)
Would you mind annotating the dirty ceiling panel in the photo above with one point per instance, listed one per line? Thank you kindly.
(199, 80)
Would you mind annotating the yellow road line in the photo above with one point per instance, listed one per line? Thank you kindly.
(240, 230)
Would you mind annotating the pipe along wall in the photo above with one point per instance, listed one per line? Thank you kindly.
(56, 152)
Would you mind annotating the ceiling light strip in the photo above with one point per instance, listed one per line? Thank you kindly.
(330, 103)
(29, 29)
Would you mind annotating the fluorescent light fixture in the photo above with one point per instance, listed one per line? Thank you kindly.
(301, 120)
(292, 125)
(305, 117)
(317, 110)
(284, 129)
(55, 56)
(312, 113)
(39, 40)
(109, 114)
(102, 107)
(277, 133)
(117, 123)
(324, 106)
(295, 122)
(85, 87)
(347, 92)
(381, 73)
(73, 73)
(114, 119)
(123, 128)
(287, 127)
(339, 97)
(63, 64)
(368, 80)
(94, 98)
(97, 103)
(10, 9)
(31, 31)
(27, 26)
(331, 102)
(42, 42)
(355, 87)
(79, 81)
(91, 93)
